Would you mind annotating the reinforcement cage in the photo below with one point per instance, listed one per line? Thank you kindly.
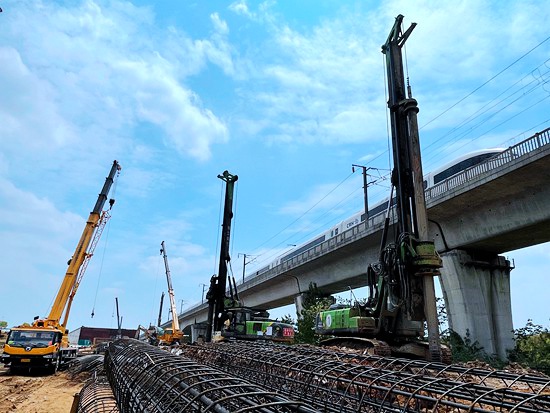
(332, 381)
(148, 379)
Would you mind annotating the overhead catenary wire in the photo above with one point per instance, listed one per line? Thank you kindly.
(503, 122)
(487, 106)
(522, 134)
(305, 212)
(476, 115)
(321, 223)
(483, 121)
(485, 83)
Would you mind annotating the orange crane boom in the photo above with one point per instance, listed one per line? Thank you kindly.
(45, 342)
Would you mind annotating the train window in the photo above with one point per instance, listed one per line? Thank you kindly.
(336, 232)
(332, 233)
(460, 166)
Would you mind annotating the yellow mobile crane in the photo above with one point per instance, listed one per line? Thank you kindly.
(45, 343)
(173, 335)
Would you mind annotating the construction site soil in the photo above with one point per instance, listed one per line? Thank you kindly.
(38, 392)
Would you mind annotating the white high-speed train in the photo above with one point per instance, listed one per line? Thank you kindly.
(430, 179)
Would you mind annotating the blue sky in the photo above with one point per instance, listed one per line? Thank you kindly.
(287, 95)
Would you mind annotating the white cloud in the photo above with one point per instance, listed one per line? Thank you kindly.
(327, 78)
(28, 112)
(241, 7)
(219, 25)
(35, 232)
(101, 67)
(161, 100)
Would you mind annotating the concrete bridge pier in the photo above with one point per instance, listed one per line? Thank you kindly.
(299, 303)
(476, 289)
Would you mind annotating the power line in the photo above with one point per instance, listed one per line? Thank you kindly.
(486, 82)
(305, 212)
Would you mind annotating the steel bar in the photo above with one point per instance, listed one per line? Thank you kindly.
(493, 378)
(334, 381)
(148, 379)
(97, 397)
(92, 362)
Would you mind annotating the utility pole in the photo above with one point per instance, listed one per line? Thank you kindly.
(365, 186)
(119, 320)
(244, 262)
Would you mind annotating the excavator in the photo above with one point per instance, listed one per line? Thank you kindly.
(227, 317)
(45, 343)
(400, 285)
(150, 335)
(170, 335)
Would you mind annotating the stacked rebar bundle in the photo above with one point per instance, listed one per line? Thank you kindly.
(92, 362)
(147, 379)
(340, 382)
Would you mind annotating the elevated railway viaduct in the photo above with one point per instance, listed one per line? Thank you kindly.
(475, 216)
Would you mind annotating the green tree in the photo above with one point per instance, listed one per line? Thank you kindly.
(288, 319)
(532, 347)
(314, 302)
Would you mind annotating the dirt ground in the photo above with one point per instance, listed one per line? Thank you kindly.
(36, 392)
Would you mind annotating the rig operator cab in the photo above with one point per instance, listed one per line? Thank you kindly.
(254, 324)
(45, 343)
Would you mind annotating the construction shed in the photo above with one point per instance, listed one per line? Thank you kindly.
(86, 336)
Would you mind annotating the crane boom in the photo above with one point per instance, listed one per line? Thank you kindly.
(175, 320)
(45, 342)
(70, 281)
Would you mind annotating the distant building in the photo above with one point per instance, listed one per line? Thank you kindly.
(86, 336)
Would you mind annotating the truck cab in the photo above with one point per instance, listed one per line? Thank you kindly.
(33, 347)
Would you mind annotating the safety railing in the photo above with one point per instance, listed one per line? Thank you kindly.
(529, 145)
(535, 142)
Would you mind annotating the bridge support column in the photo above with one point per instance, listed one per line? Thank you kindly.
(476, 289)
(299, 303)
